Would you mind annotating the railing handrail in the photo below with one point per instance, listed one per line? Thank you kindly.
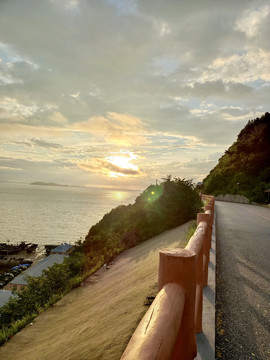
(196, 241)
(182, 275)
(154, 338)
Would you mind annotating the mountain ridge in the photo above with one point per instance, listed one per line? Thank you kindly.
(244, 168)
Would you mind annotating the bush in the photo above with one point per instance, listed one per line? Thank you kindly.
(158, 208)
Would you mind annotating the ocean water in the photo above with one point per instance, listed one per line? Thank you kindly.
(53, 214)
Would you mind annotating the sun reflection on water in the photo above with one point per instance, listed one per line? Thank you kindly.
(119, 195)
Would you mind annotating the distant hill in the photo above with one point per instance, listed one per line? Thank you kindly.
(47, 184)
(245, 166)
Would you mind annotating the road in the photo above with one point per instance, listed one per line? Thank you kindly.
(243, 282)
(96, 320)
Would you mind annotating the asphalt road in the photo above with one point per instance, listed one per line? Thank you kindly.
(242, 282)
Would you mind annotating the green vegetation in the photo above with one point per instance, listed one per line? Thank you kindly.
(190, 232)
(158, 208)
(41, 293)
(245, 167)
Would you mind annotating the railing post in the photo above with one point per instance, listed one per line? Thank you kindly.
(206, 245)
(210, 211)
(210, 228)
(196, 244)
(179, 266)
(211, 208)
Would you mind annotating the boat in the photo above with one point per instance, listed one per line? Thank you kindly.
(11, 249)
(30, 248)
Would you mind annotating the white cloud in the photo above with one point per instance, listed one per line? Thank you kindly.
(76, 95)
(250, 65)
(250, 22)
(12, 107)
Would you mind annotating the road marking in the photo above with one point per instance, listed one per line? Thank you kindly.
(253, 212)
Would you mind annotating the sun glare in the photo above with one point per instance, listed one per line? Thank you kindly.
(122, 163)
(118, 196)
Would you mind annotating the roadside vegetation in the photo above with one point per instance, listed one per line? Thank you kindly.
(160, 207)
(190, 232)
(244, 169)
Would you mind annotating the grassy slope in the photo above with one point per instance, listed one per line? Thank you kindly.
(95, 321)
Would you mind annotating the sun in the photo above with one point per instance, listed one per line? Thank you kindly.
(122, 163)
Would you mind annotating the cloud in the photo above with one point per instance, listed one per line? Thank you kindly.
(250, 22)
(119, 129)
(110, 167)
(196, 168)
(218, 89)
(124, 7)
(40, 143)
(68, 5)
(58, 118)
(251, 65)
(22, 130)
(12, 108)
(13, 66)
(166, 80)
(10, 168)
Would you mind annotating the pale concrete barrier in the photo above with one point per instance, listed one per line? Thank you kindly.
(168, 329)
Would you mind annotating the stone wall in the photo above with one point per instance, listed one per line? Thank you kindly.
(233, 198)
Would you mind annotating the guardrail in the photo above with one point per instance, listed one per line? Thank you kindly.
(168, 329)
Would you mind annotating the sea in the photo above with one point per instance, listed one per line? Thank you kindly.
(46, 215)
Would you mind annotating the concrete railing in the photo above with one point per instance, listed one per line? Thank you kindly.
(168, 329)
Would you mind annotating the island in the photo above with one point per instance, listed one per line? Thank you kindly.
(47, 184)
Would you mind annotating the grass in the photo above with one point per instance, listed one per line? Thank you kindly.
(190, 231)
(6, 334)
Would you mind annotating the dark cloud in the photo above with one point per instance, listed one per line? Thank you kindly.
(104, 166)
(42, 143)
(120, 170)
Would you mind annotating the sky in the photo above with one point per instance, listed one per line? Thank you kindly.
(121, 93)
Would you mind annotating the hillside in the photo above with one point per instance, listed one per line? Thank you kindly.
(245, 166)
(96, 320)
(160, 207)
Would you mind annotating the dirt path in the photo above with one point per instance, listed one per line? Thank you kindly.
(96, 320)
